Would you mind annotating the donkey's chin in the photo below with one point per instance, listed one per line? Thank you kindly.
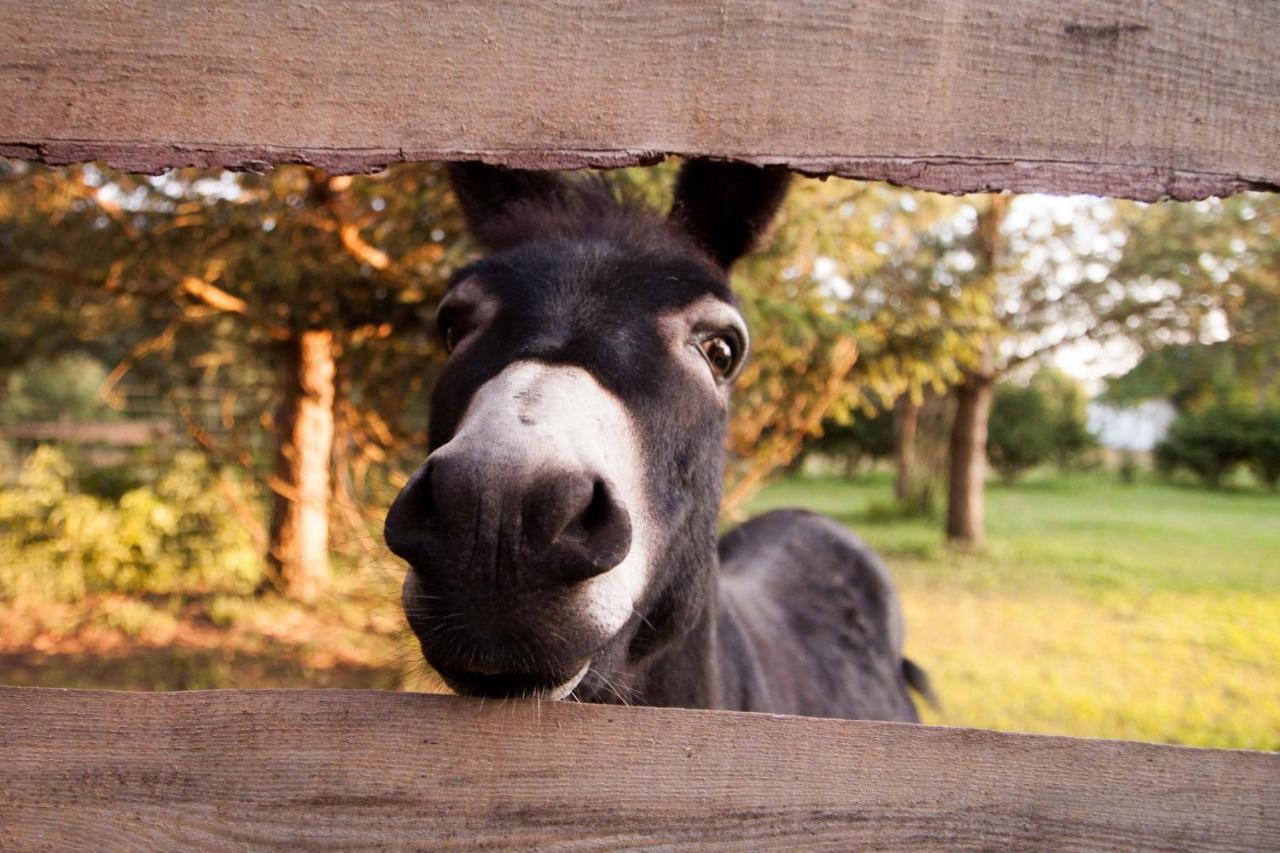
(503, 685)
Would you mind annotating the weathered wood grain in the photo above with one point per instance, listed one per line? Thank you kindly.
(88, 770)
(1127, 99)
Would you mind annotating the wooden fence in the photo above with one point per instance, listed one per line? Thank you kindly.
(258, 769)
(114, 433)
(1104, 96)
(1139, 100)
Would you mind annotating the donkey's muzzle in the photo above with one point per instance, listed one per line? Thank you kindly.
(465, 515)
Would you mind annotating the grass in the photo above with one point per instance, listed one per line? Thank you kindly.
(1098, 609)
(354, 637)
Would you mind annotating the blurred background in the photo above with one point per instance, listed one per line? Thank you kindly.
(212, 385)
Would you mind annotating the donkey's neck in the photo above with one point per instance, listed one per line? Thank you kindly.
(682, 674)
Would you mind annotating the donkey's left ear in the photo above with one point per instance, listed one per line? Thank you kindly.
(503, 206)
(725, 207)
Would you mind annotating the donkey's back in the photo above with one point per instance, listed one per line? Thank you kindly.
(809, 623)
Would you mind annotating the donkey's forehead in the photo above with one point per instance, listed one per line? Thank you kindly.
(596, 276)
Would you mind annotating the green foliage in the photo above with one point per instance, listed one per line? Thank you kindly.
(866, 436)
(196, 278)
(1067, 404)
(176, 535)
(1221, 259)
(1127, 470)
(51, 389)
(110, 482)
(1035, 423)
(1199, 376)
(1213, 443)
(1264, 445)
(1019, 434)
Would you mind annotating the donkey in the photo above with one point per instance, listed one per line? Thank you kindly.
(562, 534)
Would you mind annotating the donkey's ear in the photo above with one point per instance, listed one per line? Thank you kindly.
(725, 207)
(503, 206)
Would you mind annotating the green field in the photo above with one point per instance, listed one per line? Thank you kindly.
(1098, 609)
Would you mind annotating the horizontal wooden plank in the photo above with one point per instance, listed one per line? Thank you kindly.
(1138, 100)
(360, 768)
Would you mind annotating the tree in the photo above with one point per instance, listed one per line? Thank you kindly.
(966, 510)
(1223, 256)
(1212, 443)
(1081, 273)
(853, 307)
(304, 293)
(1040, 421)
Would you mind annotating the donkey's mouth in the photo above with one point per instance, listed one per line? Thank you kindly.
(504, 685)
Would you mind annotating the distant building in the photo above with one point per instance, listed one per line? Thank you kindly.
(1137, 428)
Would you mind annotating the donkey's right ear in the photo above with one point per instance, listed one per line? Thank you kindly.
(726, 207)
(502, 206)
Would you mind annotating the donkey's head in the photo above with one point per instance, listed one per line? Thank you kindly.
(564, 522)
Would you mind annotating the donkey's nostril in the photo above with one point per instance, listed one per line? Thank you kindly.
(552, 505)
(598, 537)
(422, 500)
(600, 509)
(602, 520)
(576, 526)
(413, 510)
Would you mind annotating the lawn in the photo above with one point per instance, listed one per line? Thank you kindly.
(1098, 609)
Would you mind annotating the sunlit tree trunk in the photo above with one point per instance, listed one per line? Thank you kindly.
(966, 504)
(906, 416)
(299, 547)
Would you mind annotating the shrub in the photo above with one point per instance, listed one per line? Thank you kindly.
(1264, 446)
(1037, 423)
(1213, 443)
(865, 436)
(175, 535)
(1020, 432)
(1128, 470)
(61, 388)
(1066, 408)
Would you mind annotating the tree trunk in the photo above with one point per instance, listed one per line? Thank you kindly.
(906, 415)
(966, 509)
(299, 547)
(966, 505)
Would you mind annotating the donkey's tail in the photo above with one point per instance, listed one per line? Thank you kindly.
(918, 680)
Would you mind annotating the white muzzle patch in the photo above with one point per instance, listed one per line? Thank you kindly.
(534, 419)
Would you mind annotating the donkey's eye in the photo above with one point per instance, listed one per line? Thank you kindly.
(453, 327)
(451, 335)
(722, 354)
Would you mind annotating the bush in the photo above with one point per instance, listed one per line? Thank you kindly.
(1040, 422)
(1067, 405)
(1128, 470)
(1213, 443)
(1020, 432)
(865, 436)
(175, 535)
(63, 388)
(1264, 446)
